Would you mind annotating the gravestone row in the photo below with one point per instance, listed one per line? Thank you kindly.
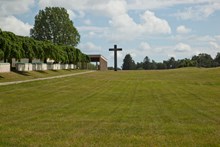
(5, 67)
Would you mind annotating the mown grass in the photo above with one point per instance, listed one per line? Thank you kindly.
(126, 108)
(18, 76)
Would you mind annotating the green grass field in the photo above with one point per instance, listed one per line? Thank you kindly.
(126, 108)
(18, 76)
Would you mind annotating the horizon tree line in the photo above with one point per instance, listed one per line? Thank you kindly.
(202, 60)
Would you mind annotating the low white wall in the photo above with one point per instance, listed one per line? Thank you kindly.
(24, 66)
(71, 66)
(39, 66)
(51, 66)
(5, 67)
(64, 66)
(24, 60)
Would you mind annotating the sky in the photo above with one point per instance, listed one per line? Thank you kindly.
(159, 29)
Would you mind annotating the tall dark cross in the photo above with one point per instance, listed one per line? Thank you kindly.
(115, 49)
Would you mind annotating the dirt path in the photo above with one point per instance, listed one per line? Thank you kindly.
(47, 78)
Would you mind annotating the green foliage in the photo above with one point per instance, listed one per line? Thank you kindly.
(128, 63)
(130, 108)
(13, 46)
(1, 54)
(146, 63)
(203, 60)
(217, 59)
(53, 24)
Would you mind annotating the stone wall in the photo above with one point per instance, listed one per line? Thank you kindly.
(24, 66)
(5, 67)
(42, 66)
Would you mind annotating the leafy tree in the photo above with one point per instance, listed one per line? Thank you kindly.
(161, 65)
(129, 63)
(146, 63)
(29, 47)
(1, 45)
(203, 60)
(78, 56)
(11, 46)
(53, 24)
(171, 63)
(5, 45)
(139, 66)
(50, 51)
(217, 59)
(1, 54)
(153, 65)
(71, 54)
(85, 59)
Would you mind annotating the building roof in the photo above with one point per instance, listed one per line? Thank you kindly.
(96, 57)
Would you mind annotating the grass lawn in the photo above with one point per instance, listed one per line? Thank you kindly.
(125, 108)
(18, 76)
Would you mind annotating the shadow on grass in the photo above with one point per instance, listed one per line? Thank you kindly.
(1, 77)
(42, 72)
(24, 73)
(68, 69)
(54, 70)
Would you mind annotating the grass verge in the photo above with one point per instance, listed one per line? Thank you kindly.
(127, 108)
(19, 76)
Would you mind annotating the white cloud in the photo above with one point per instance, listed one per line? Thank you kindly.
(201, 8)
(183, 30)
(87, 22)
(217, 37)
(145, 46)
(157, 4)
(122, 25)
(90, 47)
(125, 28)
(8, 22)
(182, 47)
(11, 7)
(198, 12)
(71, 13)
(214, 45)
(153, 24)
(12, 24)
(143, 50)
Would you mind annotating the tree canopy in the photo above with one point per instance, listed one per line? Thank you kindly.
(129, 63)
(200, 60)
(13, 46)
(53, 24)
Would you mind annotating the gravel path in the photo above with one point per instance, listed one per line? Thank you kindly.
(47, 78)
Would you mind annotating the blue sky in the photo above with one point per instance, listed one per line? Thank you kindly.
(159, 29)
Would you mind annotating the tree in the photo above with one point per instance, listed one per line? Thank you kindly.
(28, 45)
(50, 51)
(1, 54)
(146, 63)
(139, 66)
(203, 60)
(153, 65)
(11, 46)
(161, 65)
(129, 63)
(171, 63)
(217, 59)
(53, 24)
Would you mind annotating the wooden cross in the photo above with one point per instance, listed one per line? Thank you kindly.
(115, 49)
